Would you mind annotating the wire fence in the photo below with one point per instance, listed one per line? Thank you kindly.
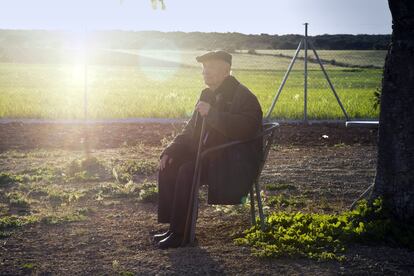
(165, 83)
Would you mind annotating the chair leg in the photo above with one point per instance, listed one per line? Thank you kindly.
(252, 211)
(259, 205)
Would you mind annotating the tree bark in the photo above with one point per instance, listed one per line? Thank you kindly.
(394, 179)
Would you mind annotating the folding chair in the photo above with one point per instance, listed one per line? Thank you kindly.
(268, 135)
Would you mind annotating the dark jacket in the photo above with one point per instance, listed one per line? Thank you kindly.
(235, 114)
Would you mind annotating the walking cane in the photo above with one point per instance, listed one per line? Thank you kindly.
(189, 230)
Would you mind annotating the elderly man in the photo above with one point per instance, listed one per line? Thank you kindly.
(231, 112)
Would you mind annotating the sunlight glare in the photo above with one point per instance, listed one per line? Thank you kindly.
(76, 46)
(159, 62)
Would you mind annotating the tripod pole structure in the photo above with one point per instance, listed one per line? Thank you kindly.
(292, 62)
(190, 224)
(329, 81)
(307, 44)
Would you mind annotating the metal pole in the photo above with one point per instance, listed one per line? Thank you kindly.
(252, 211)
(85, 94)
(284, 81)
(363, 195)
(259, 205)
(329, 81)
(85, 85)
(305, 90)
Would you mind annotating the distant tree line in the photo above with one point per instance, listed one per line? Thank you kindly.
(182, 40)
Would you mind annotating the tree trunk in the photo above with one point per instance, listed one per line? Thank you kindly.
(394, 180)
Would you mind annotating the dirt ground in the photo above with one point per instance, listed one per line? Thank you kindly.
(326, 167)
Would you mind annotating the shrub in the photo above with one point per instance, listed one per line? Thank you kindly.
(252, 52)
(377, 98)
(230, 50)
(324, 236)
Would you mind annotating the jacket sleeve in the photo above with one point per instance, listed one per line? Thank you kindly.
(182, 142)
(241, 125)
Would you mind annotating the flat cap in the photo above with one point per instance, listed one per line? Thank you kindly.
(221, 55)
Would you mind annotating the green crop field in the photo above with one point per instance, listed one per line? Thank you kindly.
(166, 84)
(351, 57)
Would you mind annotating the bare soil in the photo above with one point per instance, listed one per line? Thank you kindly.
(325, 166)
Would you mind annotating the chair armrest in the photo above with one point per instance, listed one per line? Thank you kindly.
(269, 130)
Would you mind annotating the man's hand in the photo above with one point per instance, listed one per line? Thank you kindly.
(164, 160)
(203, 108)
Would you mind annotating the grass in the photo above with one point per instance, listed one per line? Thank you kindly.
(56, 91)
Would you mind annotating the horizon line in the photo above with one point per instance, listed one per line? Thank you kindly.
(186, 32)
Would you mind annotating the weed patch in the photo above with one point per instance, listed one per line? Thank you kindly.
(279, 187)
(57, 197)
(88, 169)
(77, 215)
(8, 180)
(125, 171)
(282, 201)
(8, 223)
(144, 191)
(18, 200)
(148, 193)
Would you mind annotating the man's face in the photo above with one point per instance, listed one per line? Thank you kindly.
(214, 72)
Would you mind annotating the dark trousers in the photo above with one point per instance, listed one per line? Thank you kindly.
(174, 189)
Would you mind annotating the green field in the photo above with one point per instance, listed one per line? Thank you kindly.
(166, 84)
(351, 57)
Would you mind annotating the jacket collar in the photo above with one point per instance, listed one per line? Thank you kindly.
(226, 91)
(227, 86)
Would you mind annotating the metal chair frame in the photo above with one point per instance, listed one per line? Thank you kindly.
(268, 135)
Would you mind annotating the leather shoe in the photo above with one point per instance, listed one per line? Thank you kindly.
(174, 240)
(158, 237)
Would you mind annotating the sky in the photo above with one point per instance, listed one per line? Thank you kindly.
(249, 17)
